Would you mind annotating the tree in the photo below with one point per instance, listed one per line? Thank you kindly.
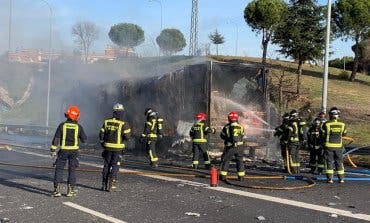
(352, 19)
(126, 35)
(263, 16)
(301, 33)
(216, 38)
(171, 41)
(85, 34)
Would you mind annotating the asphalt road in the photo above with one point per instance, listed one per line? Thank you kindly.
(25, 197)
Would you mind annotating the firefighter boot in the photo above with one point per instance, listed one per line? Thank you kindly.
(104, 186)
(240, 178)
(56, 192)
(195, 166)
(70, 191)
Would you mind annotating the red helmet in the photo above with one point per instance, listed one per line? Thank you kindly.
(233, 116)
(201, 116)
(73, 113)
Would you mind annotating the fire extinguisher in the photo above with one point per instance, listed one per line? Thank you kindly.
(214, 177)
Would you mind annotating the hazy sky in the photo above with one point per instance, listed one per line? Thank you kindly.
(30, 27)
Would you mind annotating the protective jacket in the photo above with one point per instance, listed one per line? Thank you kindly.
(153, 128)
(332, 132)
(199, 132)
(113, 133)
(232, 134)
(67, 136)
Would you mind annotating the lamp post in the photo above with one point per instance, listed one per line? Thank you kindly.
(160, 3)
(237, 34)
(10, 24)
(326, 62)
(49, 66)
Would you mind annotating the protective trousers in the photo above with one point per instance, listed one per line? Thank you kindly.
(317, 159)
(111, 164)
(64, 156)
(230, 153)
(334, 157)
(294, 157)
(151, 150)
(200, 148)
(283, 147)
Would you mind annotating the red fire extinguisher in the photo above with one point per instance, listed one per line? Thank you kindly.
(214, 177)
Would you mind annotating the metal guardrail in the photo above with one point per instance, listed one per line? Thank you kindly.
(19, 128)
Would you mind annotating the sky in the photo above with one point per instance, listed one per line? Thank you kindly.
(30, 24)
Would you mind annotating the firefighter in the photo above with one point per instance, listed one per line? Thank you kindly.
(153, 128)
(112, 135)
(282, 133)
(332, 132)
(67, 137)
(232, 134)
(296, 140)
(315, 145)
(198, 133)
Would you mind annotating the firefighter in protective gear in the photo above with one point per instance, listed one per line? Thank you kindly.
(67, 137)
(112, 135)
(198, 133)
(315, 145)
(332, 132)
(282, 133)
(296, 140)
(232, 134)
(153, 128)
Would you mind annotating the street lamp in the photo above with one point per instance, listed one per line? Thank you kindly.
(160, 3)
(10, 24)
(49, 69)
(326, 62)
(237, 34)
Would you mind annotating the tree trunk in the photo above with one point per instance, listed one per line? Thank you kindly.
(356, 60)
(217, 49)
(299, 73)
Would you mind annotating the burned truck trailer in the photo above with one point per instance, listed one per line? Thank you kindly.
(213, 88)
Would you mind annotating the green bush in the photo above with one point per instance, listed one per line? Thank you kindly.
(344, 75)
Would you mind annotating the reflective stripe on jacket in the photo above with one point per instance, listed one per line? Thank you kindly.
(114, 132)
(67, 136)
(199, 131)
(333, 131)
(232, 134)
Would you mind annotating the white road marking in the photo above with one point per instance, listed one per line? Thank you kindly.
(92, 212)
(294, 203)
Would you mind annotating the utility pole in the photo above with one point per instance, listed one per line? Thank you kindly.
(326, 62)
(10, 25)
(193, 43)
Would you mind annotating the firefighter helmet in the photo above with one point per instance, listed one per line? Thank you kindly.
(118, 107)
(317, 122)
(148, 111)
(321, 114)
(152, 114)
(233, 116)
(286, 116)
(293, 113)
(334, 112)
(73, 112)
(201, 116)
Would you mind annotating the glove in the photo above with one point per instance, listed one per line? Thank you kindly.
(160, 136)
(213, 130)
(53, 154)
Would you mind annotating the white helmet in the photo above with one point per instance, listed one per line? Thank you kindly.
(118, 107)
